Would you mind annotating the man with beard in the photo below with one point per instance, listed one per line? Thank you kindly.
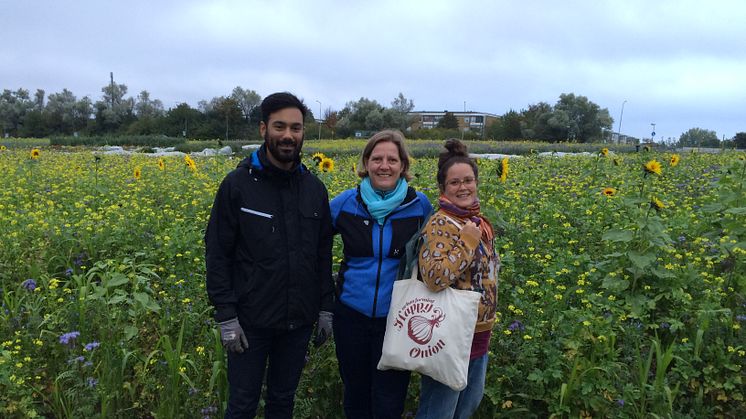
(268, 255)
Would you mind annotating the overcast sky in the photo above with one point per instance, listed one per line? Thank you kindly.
(678, 64)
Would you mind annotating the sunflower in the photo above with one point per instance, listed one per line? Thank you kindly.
(190, 163)
(604, 152)
(675, 159)
(657, 204)
(653, 167)
(35, 153)
(318, 157)
(3, 148)
(503, 169)
(608, 192)
(161, 164)
(326, 165)
(137, 173)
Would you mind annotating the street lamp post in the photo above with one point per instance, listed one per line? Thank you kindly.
(319, 119)
(619, 130)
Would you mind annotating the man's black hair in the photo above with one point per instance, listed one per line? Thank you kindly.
(279, 101)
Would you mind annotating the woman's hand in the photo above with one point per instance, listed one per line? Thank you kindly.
(470, 229)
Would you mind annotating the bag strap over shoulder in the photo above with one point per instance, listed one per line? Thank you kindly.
(408, 264)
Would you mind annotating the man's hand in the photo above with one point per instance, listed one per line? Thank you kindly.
(323, 328)
(232, 336)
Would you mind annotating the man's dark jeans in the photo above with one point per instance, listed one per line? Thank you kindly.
(286, 352)
(368, 392)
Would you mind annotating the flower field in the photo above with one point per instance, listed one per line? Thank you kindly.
(622, 292)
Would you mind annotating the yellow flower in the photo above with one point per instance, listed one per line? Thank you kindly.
(608, 191)
(35, 153)
(657, 204)
(137, 173)
(604, 152)
(503, 170)
(326, 165)
(675, 160)
(161, 164)
(190, 163)
(653, 167)
(318, 157)
(3, 148)
(507, 404)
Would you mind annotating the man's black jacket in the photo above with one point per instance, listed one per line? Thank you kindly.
(268, 246)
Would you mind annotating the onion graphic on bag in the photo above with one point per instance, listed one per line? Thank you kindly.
(420, 329)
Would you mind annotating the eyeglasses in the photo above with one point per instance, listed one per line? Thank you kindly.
(456, 183)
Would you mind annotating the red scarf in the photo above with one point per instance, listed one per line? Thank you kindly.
(472, 213)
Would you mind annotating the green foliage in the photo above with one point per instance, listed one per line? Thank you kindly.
(448, 121)
(608, 306)
(698, 137)
(740, 140)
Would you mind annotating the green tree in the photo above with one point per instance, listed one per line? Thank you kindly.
(247, 100)
(534, 122)
(114, 111)
(740, 140)
(448, 121)
(698, 137)
(585, 120)
(507, 127)
(331, 117)
(148, 108)
(60, 112)
(14, 105)
(355, 117)
(397, 116)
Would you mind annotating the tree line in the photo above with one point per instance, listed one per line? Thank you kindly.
(572, 118)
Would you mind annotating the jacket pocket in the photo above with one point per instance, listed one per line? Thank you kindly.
(258, 231)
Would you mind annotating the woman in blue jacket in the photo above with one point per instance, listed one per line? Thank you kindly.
(375, 220)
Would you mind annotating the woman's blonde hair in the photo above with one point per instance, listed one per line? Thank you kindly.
(390, 135)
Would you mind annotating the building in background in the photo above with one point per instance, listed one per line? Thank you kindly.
(467, 121)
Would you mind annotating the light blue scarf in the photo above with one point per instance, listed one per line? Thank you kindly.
(381, 203)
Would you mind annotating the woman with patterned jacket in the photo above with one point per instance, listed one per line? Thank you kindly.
(375, 220)
(458, 252)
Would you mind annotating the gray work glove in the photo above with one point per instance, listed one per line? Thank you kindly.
(233, 337)
(323, 328)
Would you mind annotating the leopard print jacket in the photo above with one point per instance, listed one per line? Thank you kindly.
(447, 260)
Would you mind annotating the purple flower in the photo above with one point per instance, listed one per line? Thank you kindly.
(516, 325)
(76, 359)
(90, 346)
(92, 382)
(68, 272)
(665, 325)
(69, 337)
(29, 284)
(741, 318)
(620, 402)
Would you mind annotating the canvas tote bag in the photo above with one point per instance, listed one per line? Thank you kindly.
(430, 332)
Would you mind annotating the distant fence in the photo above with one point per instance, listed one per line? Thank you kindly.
(701, 149)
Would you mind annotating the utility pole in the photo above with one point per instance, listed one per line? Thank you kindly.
(319, 119)
(111, 87)
(619, 130)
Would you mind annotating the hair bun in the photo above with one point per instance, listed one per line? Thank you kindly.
(456, 148)
(453, 148)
